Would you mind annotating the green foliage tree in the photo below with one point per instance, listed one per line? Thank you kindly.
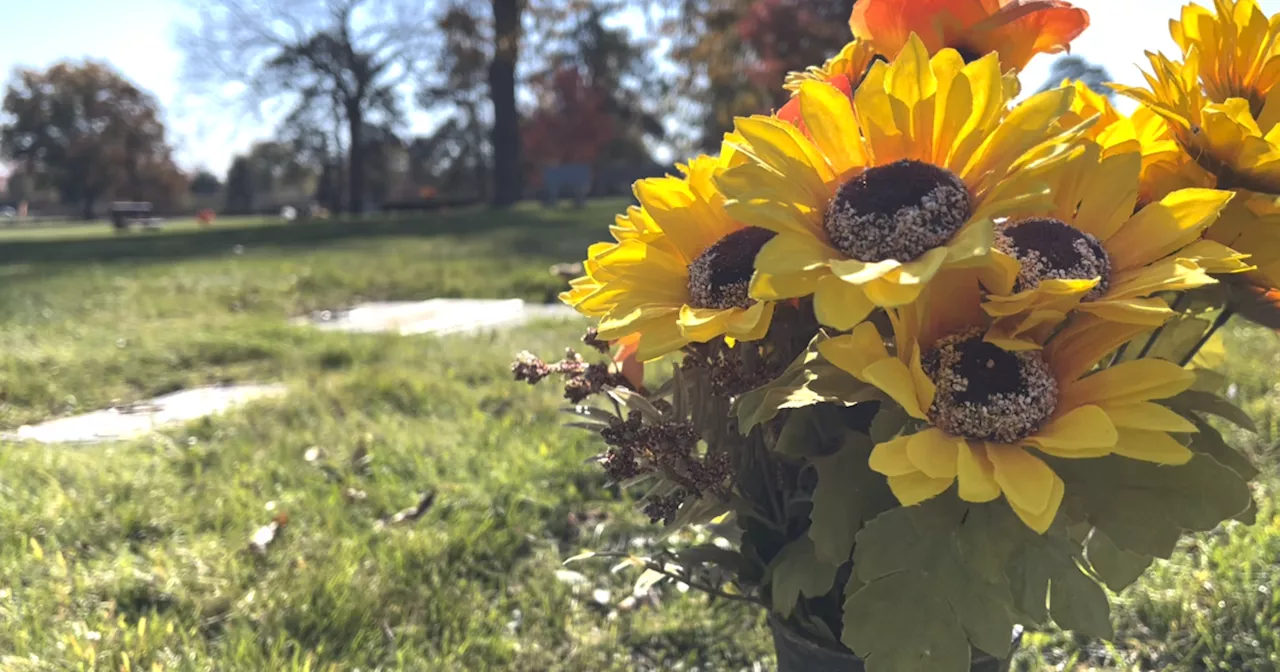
(734, 54)
(240, 187)
(205, 183)
(616, 70)
(1077, 68)
(90, 133)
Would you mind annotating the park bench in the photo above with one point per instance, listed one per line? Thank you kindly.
(127, 213)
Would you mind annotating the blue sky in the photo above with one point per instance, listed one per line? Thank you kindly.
(139, 42)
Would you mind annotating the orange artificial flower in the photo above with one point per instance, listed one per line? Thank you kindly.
(626, 362)
(1016, 29)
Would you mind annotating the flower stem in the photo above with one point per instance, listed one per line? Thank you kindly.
(1222, 319)
(1178, 304)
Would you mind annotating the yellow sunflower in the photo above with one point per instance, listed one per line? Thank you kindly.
(882, 191)
(1165, 167)
(1092, 253)
(986, 414)
(679, 271)
(1238, 48)
(1222, 106)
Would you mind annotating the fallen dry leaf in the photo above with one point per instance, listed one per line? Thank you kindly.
(267, 534)
(361, 460)
(410, 514)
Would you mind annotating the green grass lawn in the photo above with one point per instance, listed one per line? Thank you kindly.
(136, 556)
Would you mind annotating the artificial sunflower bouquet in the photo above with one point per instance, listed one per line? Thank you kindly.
(931, 352)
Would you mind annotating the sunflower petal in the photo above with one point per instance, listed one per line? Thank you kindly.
(1082, 344)
(751, 324)
(890, 458)
(659, 338)
(702, 324)
(790, 253)
(1148, 312)
(1022, 129)
(923, 269)
(1162, 228)
(1148, 416)
(1084, 429)
(840, 305)
(769, 287)
(1128, 382)
(895, 379)
(1024, 478)
(1149, 446)
(828, 116)
(1040, 522)
(856, 351)
(890, 292)
(933, 452)
(976, 474)
(911, 489)
(857, 272)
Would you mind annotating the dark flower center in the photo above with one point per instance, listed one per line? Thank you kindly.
(987, 393)
(721, 275)
(969, 54)
(1050, 248)
(897, 211)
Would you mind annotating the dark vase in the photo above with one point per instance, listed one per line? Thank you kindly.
(797, 653)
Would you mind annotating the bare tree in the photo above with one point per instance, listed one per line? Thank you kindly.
(350, 55)
(456, 155)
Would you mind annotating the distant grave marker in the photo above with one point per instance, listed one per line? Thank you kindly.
(138, 420)
(436, 316)
(572, 179)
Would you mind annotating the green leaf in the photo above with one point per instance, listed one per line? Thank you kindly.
(1207, 402)
(883, 623)
(1146, 507)
(1209, 442)
(798, 571)
(1117, 567)
(888, 423)
(1078, 603)
(636, 402)
(1208, 380)
(1029, 581)
(813, 431)
(1178, 336)
(989, 537)
(847, 495)
(809, 380)
(1049, 564)
(1249, 516)
(916, 550)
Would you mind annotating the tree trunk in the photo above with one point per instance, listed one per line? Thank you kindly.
(355, 159)
(502, 90)
(86, 207)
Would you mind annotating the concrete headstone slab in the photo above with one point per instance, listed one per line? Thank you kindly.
(142, 418)
(435, 316)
